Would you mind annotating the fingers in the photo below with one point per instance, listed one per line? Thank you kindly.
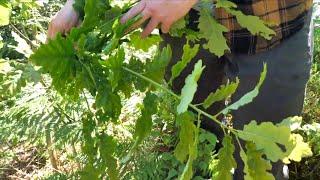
(150, 27)
(145, 16)
(165, 27)
(133, 12)
(52, 31)
(49, 33)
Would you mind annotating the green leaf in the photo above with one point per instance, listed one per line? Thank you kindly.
(186, 135)
(225, 4)
(188, 54)
(254, 24)
(226, 161)
(143, 44)
(58, 58)
(221, 94)
(244, 158)
(267, 138)
(144, 123)
(247, 98)
(187, 172)
(301, 149)
(5, 11)
(256, 167)
(115, 64)
(190, 87)
(156, 68)
(78, 5)
(178, 28)
(188, 144)
(94, 10)
(212, 31)
(109, 103)
(107, 150)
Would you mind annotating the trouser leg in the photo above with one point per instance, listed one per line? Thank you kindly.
(282, 93)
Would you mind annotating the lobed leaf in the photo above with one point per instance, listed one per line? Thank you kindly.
(107, 148)
(156, 68)
(190, 87)
(178, 28)
(247, 98)
(301, 149)
(212, 31)
(268, 137)
(115, 63)
(188, 54)
(221, 94)
(256, 167)
(58, 59)
(226, 161)
(144, 123)
(143, 44)
(254, 24)
(186, 135)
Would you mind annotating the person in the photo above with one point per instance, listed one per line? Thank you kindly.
(288, 56)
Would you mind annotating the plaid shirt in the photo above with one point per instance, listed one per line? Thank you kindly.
(287, 15)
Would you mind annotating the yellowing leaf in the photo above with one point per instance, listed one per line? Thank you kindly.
(221, 94)
(212, 31)
(5, 11)
(267, 138)
(300, 150)
(256, 167)
(190, 87)
(226, 160)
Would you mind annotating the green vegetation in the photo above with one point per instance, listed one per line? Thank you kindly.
(94, 104)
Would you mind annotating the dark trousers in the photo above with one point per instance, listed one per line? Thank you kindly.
(281, 95)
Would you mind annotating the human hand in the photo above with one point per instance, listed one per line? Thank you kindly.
(164, 12)
(63, 21)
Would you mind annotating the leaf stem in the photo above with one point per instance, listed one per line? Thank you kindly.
(177, 97)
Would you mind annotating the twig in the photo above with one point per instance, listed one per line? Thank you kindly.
(179, 98)
(23, 36)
